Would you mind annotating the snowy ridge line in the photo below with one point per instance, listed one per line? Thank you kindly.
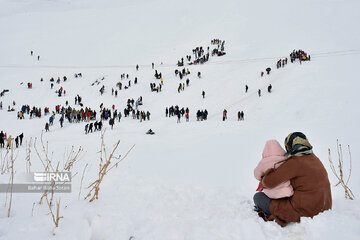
(247, 60)
(322, 54)
(354, 51)
(69, 67)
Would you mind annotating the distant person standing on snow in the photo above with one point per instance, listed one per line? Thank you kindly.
(8, 143)
(178, 116)
(21, 136)
(2, 139)
(224, 114)
(203, 94)
(17, 141)
(91, 127)
(61, 121)
(268, 70)
(111, 123)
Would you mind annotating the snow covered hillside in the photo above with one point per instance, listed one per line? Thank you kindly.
(191, 180)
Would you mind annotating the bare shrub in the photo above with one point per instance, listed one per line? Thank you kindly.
(340, 176)
(56, 218)
(28, 155)
(82, 178)
(105, 166)
(72, 157)
(4, 162)
(11, 181)
(49, 166)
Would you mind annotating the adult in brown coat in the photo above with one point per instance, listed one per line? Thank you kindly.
(8, 143)
(309, 179)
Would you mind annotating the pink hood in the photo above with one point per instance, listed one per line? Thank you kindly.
(273, 148)
(273, 153)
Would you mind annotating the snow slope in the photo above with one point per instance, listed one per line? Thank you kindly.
(190, 180)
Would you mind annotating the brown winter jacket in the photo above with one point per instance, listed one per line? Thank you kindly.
(312, 193)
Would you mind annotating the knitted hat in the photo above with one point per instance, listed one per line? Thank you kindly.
(297, 144)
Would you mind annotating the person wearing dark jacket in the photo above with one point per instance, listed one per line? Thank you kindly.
(224, 114)
(2, 143)
(308, 177)
(111, 123)
(17, 141)
(90, 127)
(61, 121)
(268, 70)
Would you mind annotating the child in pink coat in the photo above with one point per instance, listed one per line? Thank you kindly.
(272, 156)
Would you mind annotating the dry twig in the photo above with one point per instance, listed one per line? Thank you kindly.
(340, 176)
(104, 166)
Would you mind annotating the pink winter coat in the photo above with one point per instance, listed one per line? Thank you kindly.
(273, 153)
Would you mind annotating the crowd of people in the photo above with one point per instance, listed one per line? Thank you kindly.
(182, 73)
(8, 140)
(72, 115)
(200, 57)
(295, 54)
(298, 188)
(156, 88)
(120, 85)
(176, 111)
(299, 54)
(97, 125)
(201, 115)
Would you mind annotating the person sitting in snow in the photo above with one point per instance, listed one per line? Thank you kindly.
(308, 177)
(273, 156)
(150, 132)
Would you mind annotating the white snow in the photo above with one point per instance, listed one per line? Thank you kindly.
(190, 180)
